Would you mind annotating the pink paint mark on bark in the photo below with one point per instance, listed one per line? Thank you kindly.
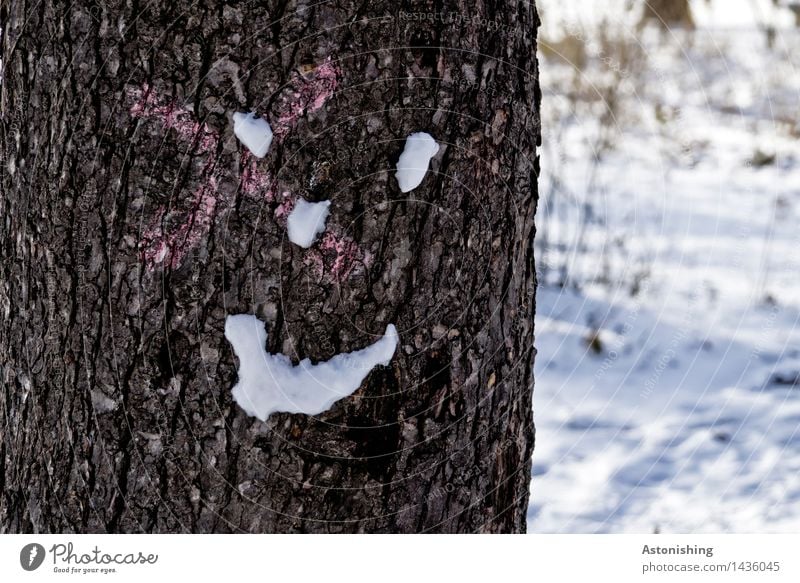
(170, 247)
(285, 208)
(148, 106)
(336, 257)
(306, 94)
(163, 243)
(256, 183)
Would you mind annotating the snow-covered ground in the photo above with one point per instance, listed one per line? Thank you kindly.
(668, 373)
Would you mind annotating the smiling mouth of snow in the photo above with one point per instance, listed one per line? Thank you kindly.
(270, 383)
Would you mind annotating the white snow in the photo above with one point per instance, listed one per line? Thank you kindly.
(306, 221)
(269, 383)
(560, 18)
(413, 163)
(683, 259)
(253, 132)
(741, 13)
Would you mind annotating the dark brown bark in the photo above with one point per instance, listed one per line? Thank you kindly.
(133, 223)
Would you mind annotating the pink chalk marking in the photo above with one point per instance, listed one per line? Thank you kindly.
(256, 183)
(336, 257)
(173, 246)
(285, 208)
(307, 95)
(173, 116)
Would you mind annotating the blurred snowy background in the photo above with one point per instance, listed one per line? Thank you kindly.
(668, 374)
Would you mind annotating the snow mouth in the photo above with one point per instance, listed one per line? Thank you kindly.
(270, 383)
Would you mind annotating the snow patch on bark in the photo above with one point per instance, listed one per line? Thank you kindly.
(413, 163)
(269, 383)
(254, 132)
(306, 221)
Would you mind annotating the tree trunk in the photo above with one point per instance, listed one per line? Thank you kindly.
(668, 12)
(134, 223)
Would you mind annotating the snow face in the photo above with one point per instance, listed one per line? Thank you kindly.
(253, 132)
(306, 221)
(413, 163)
(269, 383)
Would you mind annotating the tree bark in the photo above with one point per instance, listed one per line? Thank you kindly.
(134, 223)
(668, 12)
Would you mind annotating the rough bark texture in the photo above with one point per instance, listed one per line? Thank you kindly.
(133, 222)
